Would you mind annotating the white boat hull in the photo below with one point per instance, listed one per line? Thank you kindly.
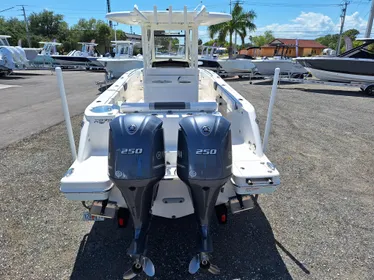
(340, 77)
(267, 66)
(117, 67)
(236, 65)
(87, 179)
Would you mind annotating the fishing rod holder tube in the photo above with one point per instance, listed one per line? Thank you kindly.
(65, 109)
(270, 109)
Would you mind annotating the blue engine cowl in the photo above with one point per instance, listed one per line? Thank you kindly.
(136, 164)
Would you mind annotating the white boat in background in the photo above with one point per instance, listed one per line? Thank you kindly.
(86, 57)
(31, 53)
(11, 58)
(287, 66)
(265, 66)
(123, 60)
(169, 140)
(225, 67)
(44, 57)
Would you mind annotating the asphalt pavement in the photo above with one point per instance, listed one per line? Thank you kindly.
(30, 100)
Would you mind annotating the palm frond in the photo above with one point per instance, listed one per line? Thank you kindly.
(238, 10)
(215, 29)
(242, 21)
(223, 34)
(242, 33)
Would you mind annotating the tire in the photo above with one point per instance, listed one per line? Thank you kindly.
(370, 90)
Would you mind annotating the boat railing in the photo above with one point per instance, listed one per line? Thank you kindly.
(227, 96)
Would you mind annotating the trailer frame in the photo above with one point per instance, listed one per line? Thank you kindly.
(368, 88)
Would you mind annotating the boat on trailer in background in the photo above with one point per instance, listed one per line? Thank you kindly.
(11, 57)
(355, 65)
(123, 60)
(86, 57)
(169, 140)
(44, 56)
(353, 68)
(225, 67)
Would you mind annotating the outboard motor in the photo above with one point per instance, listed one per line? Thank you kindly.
(7, 59)
(136, 165)
(204, 165)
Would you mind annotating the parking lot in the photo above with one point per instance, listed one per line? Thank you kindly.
(318, 225)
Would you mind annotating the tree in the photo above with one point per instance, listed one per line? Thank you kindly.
(264, 39)
(241, 23)
(47, 24)
(87, 30)
(13, 27)
(331, 40)
(351, 33)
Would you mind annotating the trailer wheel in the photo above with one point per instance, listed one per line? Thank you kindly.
(370, 90)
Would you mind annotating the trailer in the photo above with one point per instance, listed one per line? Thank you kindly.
(368, 88)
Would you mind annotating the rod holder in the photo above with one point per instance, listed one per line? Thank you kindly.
(65, 108)
(270, 109)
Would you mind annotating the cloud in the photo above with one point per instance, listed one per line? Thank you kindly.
(312, 25)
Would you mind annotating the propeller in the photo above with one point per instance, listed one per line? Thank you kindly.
(194, 264)
(202, 261)
(141, 264)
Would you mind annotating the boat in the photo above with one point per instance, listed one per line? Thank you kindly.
(44, 56)
(123, 60)
(31, 53)
(353, 66)
(169, 140)
(225, 67)
(11, 58)
(86, 57)
(265, 66)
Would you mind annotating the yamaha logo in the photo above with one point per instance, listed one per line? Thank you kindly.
(205, 129)
(132, 128)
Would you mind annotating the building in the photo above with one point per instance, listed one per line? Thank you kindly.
(286, 47)
(133, 37)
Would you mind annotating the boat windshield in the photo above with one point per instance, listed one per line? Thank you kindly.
(209, 52)
(123, 49)
(88, 49)
(48, 49)
(4, 42)
(169, 44)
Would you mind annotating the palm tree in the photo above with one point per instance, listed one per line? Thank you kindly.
(241, 23)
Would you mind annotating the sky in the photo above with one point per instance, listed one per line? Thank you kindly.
(287, 18)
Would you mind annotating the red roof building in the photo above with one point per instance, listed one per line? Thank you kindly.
(287, 47)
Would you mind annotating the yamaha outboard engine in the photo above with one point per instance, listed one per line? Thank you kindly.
(204, 165)
(136, 166)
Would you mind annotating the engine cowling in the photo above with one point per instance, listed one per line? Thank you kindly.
(136, 164)
(204, 165)
(204, 149)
